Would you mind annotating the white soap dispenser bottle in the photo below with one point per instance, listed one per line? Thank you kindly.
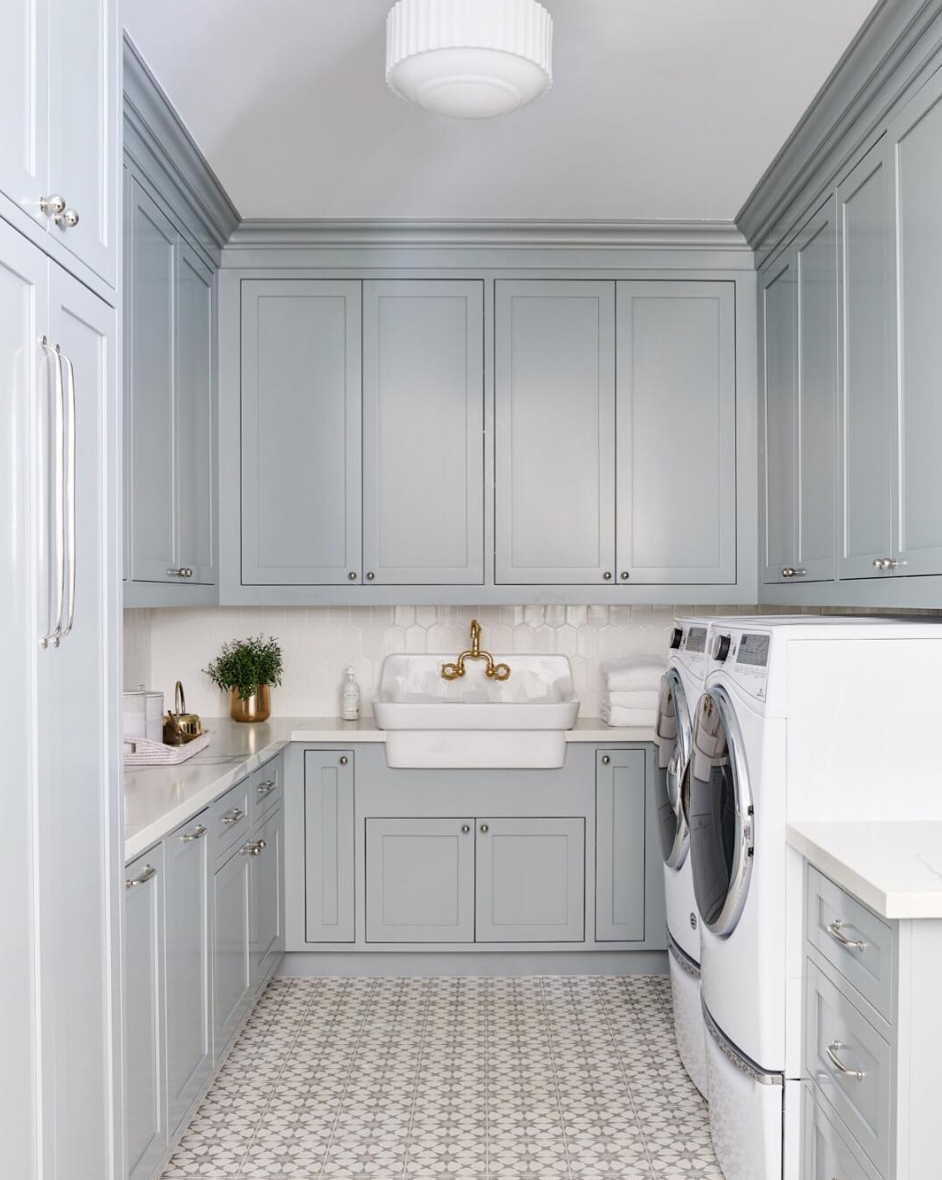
(350, 701)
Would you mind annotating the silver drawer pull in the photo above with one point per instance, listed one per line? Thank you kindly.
(832, 1054)
(254, 847)
(836, 931)
(233, 816)
(148, 873)
(197, 834)
(266, 787)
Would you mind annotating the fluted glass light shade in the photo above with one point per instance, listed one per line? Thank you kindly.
(470, 59)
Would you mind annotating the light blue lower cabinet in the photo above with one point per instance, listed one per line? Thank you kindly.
(329, 851)
(420, 880)
(189, 1020)
(268, 931)
(530, 880)
(620, 846)
(145, 1094)
(828, 1152)
(232, 963)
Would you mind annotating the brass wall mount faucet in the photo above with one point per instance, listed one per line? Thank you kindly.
(457, 669)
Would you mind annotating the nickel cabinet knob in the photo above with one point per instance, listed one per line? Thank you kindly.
(624, 575)
(466, 828)
(351, 577)
(343, 759)
(485, 829)
(607, 575)
(605, 760)
(69, 218)
(52, 206)
(370, 576)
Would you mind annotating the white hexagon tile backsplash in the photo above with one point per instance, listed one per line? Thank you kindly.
(320, 643)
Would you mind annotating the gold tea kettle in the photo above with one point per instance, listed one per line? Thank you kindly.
(180, 726)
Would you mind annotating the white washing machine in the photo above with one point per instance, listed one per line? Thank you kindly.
(681, 685)
(800, 719)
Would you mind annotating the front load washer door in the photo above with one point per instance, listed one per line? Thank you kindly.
(721, 813)
(672, 737)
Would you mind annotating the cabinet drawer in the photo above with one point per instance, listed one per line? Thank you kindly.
(851, 1064)
(231, 817)
(827, 1152)
(853, 940)
(267, 786)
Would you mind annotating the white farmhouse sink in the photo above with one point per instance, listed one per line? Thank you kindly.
(475, 721)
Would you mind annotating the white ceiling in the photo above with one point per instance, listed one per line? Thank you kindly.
(659, 108)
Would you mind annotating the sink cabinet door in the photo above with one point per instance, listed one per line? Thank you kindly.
(232, 969)
(530, 880)
(328, 846)
(420, 880)
(423, 422)
(555, 432)
(620, 846)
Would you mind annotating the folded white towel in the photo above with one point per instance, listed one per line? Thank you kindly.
(620, 716)
(634, 699)
(634, 672)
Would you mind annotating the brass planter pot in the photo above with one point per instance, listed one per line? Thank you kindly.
(256, 708)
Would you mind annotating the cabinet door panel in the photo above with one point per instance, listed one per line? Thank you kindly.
(189, 1032)
(530, 880)
(84, 103)
(916, 143)
(868, 377)
(149, 396)
(24, 64)
(779, 438)
(301, 395)
(419, 880)
(423, 400)
(816, 288)
(268, 910)
(328, 846)
(144, 1108)
(232, 961)
(676, 382)
(555, 432)
(194, 458)
(620, 847)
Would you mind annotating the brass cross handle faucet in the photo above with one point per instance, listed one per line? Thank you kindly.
(494, 671)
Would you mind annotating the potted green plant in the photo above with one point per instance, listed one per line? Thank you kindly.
(246, 669)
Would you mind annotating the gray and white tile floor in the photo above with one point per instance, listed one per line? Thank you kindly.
(555, 1076)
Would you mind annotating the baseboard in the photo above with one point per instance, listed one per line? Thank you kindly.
(300, 964)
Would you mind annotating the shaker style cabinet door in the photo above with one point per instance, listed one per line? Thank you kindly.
(328, 846)
(232, 960)
(24, 104)
(555, 432)
(301, 395)
(868, 378)
(676, 408)
(268, 923)
(423, 432)
(620, 846)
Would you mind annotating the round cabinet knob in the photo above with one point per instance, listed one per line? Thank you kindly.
(52, 206)
(343, 760)
(351, 577)
(68, 218)
(466, 828)
(624, 575)
(607, 575)
(677, 637)
(485, 829)
(370, 576)
(721, 648)
(605, 760)
(788, 572)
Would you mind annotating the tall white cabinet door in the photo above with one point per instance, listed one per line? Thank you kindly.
(677, 384)
(815, 255)
(915, 146)
(555, 432)
(24, 98)
(84, 109)
(301, 442)
(194, 453)
(145, 1095)
(77, 815)
(24, 273)
(778, 444)
(423, 432)
(868, 370)
(149, 346)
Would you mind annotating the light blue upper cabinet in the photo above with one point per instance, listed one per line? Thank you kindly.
(423, 423)
(915, 161)
(676, 410)
(868, 379)
(555, 432)
(301, 441)
(24, 104)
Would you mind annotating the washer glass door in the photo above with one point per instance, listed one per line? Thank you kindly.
(721, 813)
(672, 737)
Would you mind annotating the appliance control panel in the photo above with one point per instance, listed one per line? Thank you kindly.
(692, 647)
(743, 654)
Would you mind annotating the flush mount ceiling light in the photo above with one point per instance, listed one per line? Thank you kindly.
(470, 59)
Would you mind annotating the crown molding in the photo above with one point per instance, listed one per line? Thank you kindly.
(893, 49)
(153, 128)
(259, 233)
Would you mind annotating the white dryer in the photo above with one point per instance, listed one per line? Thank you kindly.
(680, 690)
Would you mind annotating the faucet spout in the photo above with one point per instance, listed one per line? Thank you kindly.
(492, 671)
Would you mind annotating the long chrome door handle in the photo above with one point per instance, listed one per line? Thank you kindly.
(55, 631)
(70, 485)
(832, 1055)
(835, 929)
(148, 873)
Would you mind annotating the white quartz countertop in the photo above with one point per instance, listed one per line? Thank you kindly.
(160, 798)
(893, 867)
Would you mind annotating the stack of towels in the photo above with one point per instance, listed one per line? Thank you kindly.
(631, 692)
